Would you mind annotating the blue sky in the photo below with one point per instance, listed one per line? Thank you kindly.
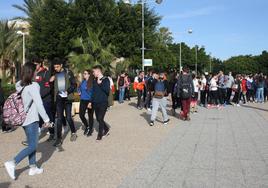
(225, 27)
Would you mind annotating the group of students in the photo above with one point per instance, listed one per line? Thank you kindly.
(155, 88)
(219, 90)
(41, 91)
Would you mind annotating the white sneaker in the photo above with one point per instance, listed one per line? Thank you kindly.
(35, 171)
(238, 105)
(10, 168)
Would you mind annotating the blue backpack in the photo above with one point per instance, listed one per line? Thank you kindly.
(249, 85)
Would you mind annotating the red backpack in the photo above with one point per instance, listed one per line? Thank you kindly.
(13, 110)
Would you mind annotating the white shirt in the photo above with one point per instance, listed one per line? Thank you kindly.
(203, 84)
(213, 85)
(196, 88)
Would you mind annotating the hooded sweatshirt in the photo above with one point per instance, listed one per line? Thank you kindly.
(29, 94)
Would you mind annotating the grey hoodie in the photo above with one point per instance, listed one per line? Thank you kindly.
(32, 92)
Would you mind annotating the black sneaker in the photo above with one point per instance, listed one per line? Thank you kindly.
(86, 131)
(151, 123)
(106, 132)
(58, 143)
(50, 138)
(89, 133)
(166, 122)
(99, 138)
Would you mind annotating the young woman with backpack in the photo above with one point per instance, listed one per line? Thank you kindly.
(33, 106)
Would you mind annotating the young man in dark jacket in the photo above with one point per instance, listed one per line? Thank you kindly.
(101, 89)
(42, 77)
(64, 87)
(185, 90)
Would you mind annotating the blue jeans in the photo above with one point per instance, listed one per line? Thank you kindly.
(259, 94)
(32, 135)
(121, 94)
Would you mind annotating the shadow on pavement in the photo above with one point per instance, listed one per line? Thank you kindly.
(257, 108)
(5, 184)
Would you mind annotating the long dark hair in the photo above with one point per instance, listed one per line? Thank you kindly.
(90, 79)
(27, 74)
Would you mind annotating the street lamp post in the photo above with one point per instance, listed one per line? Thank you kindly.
(190, 31)
(142, 25)
(23, 45)
(210, 62)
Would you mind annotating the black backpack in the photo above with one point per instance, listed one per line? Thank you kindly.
(121, 81)
(185, 87)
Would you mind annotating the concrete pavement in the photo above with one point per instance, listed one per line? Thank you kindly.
(225, 148)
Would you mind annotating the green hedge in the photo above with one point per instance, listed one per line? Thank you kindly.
(8, 89)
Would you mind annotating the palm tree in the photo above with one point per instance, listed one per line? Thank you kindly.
(89, 51)
(9, 44)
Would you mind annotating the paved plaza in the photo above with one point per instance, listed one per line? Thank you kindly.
(225, 148)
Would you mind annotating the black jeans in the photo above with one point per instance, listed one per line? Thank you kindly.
(214, 97)
(64, 104)
(176, 102)
(251, 95)
(228, 96)
(236, 98)
(222, 95)
(148, 100)
(127, 94)
(100, 111)
(139, 92)
(82, 112)
(203, 97)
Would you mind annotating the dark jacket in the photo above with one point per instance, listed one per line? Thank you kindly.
(101, 91)
(42, 78)
(70, 85)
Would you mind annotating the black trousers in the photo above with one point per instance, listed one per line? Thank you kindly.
(148, 99)
(236, 98)
(100, 111)
(214, 97)
(127, 93)
(251, 95)
(228, 96)
(139, 92)
(222, 95)
(176, 102)
(64, 104)
(203, 97)
(82, 112)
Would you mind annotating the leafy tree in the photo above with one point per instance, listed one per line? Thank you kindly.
(89, 51)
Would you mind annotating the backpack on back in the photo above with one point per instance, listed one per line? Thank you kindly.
(249, 85)
(13, 110)
(121, 81)
(186, 88)
(159, 90)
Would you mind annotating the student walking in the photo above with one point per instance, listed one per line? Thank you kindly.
(139, 88)
(127, 90)
(185, 90)
(160, 93)
(86, 90)
(101, 89)
(121, 86)
(33, 105)
(237, 89)
(42, 77)
(64, 87)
